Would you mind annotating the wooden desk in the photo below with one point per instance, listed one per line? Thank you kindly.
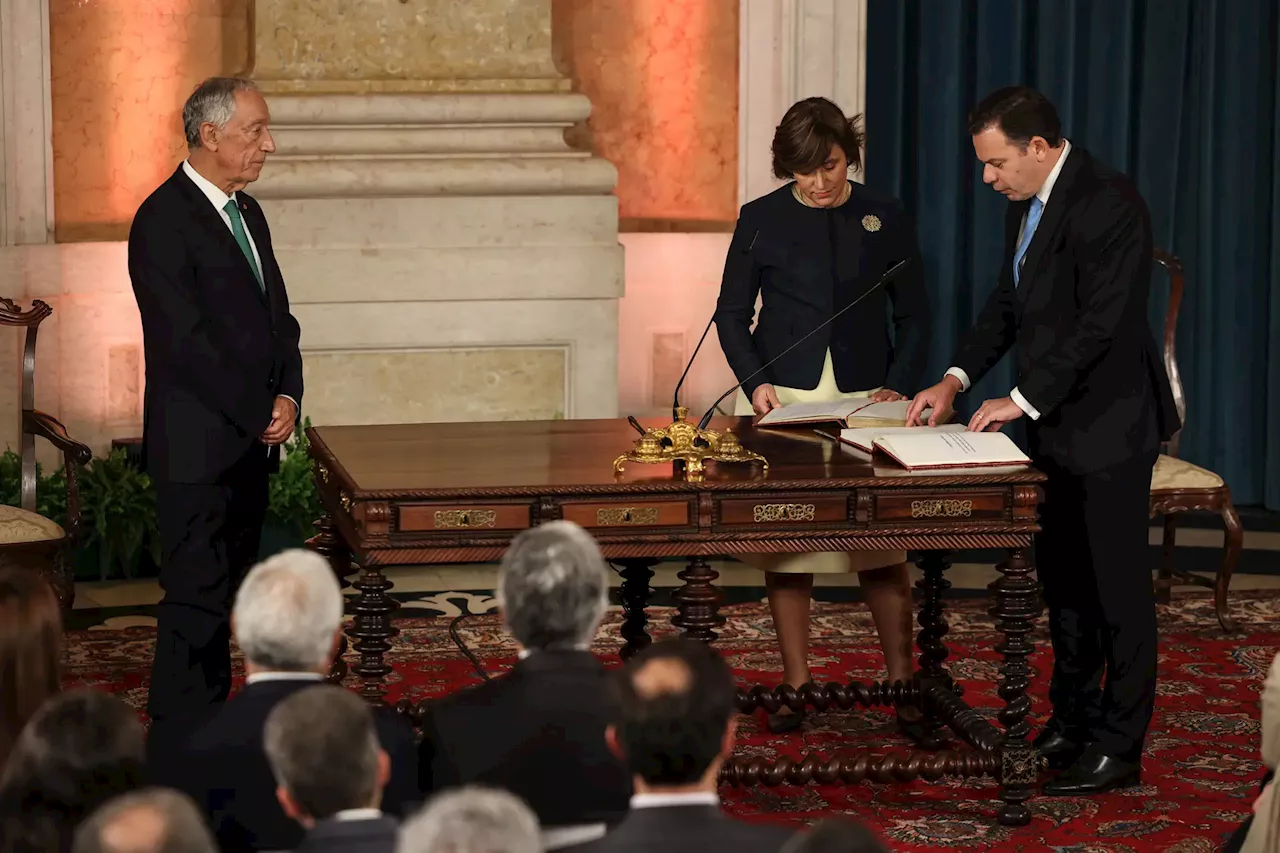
(450, 493)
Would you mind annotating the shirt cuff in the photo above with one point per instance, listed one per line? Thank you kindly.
(959, 373)
(1022, 403)
(296, 408)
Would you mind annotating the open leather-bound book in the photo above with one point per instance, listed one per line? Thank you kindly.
(864, 438)
(859, 412)
(935, 449)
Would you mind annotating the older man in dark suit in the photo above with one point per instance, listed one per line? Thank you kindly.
(322, 744)
(538, 731)
(1072, 296)
(224, 382)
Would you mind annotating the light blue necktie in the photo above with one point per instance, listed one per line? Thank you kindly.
(1028, 231)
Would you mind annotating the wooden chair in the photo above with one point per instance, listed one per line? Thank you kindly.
(1178, 486)
(28, 539)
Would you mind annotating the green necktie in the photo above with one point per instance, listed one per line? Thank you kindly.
(242, 239)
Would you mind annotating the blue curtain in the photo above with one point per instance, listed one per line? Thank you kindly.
(1182, 96)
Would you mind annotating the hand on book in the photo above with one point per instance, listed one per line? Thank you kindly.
(764, 399)
(938, 398)
(884, 395)
(992, 415)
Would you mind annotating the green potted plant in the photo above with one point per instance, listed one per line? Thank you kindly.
(292, 501)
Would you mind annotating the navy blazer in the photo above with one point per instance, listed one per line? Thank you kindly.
(807, 263)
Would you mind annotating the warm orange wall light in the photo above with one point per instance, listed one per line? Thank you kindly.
(120, 70)
(662, 76)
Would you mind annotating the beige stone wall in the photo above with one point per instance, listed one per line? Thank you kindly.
(331, 46)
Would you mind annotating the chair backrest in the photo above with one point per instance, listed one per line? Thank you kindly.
(12, 315)
(1173, 266)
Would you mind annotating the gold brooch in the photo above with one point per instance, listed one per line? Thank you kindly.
(871, 223)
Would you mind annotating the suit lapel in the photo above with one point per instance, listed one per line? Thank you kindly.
(213, 223)
(1054, 212)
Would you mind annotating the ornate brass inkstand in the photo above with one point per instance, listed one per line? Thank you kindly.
(689, 446)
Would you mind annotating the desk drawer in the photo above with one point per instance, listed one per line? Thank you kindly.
(784, 511)
(942, 507)
(453, 517)
(595, 515)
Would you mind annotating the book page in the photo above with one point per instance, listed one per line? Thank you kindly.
(863, 437)
(941, 449)
(811, 412)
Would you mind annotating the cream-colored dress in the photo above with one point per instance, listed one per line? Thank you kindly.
(824, 563)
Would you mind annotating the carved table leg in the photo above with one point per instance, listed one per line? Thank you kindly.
(698, 602)
(933, 627)
(371, 631)
(635, 598)
(1016, 607)
(328, 544)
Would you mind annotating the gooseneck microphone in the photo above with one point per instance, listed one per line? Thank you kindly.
(884, 279)
(675, 396)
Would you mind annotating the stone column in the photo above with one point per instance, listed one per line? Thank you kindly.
(448, 255)
(789, 50)
(26, 185)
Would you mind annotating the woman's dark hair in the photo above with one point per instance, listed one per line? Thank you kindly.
(1021, 113)
(804, 138)
(80, 749)
(30, 651)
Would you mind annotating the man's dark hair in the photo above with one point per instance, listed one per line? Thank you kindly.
(1021, 113)
(671, 735)
(79, 750)
(836, 835)
(323, 748)
(802, 141)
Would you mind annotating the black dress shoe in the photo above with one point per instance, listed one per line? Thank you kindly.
(781, 724)
(1057, 751)
(1094, 773)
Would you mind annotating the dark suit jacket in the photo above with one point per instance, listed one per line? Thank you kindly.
(806, 264)
(375, 835)
(687, 829)
(224, 769)
(218, 350)
(537, 731)
(1087, 360)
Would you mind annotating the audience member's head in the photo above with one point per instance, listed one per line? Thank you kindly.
(288, 614)
(153, 820)
(30, 650)
(553, 587)
(79, 750)
(323, 748)
(471, 820)
(835, 835)
(675, 708)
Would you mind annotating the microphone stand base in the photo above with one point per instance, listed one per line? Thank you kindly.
(688, 448)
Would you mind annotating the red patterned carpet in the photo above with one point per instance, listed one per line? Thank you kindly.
(1200, 773)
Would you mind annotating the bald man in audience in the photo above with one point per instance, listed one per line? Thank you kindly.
(330, 769)
(674, 728)
(287, 620)
(153, 820)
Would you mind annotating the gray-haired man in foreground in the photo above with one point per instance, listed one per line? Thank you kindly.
(539, 730)
(287, 619)
(323, 748)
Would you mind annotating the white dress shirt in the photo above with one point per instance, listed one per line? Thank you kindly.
(1043, 195)
(258, 677)
(357, 814)
(219, 200)
(687, 798)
